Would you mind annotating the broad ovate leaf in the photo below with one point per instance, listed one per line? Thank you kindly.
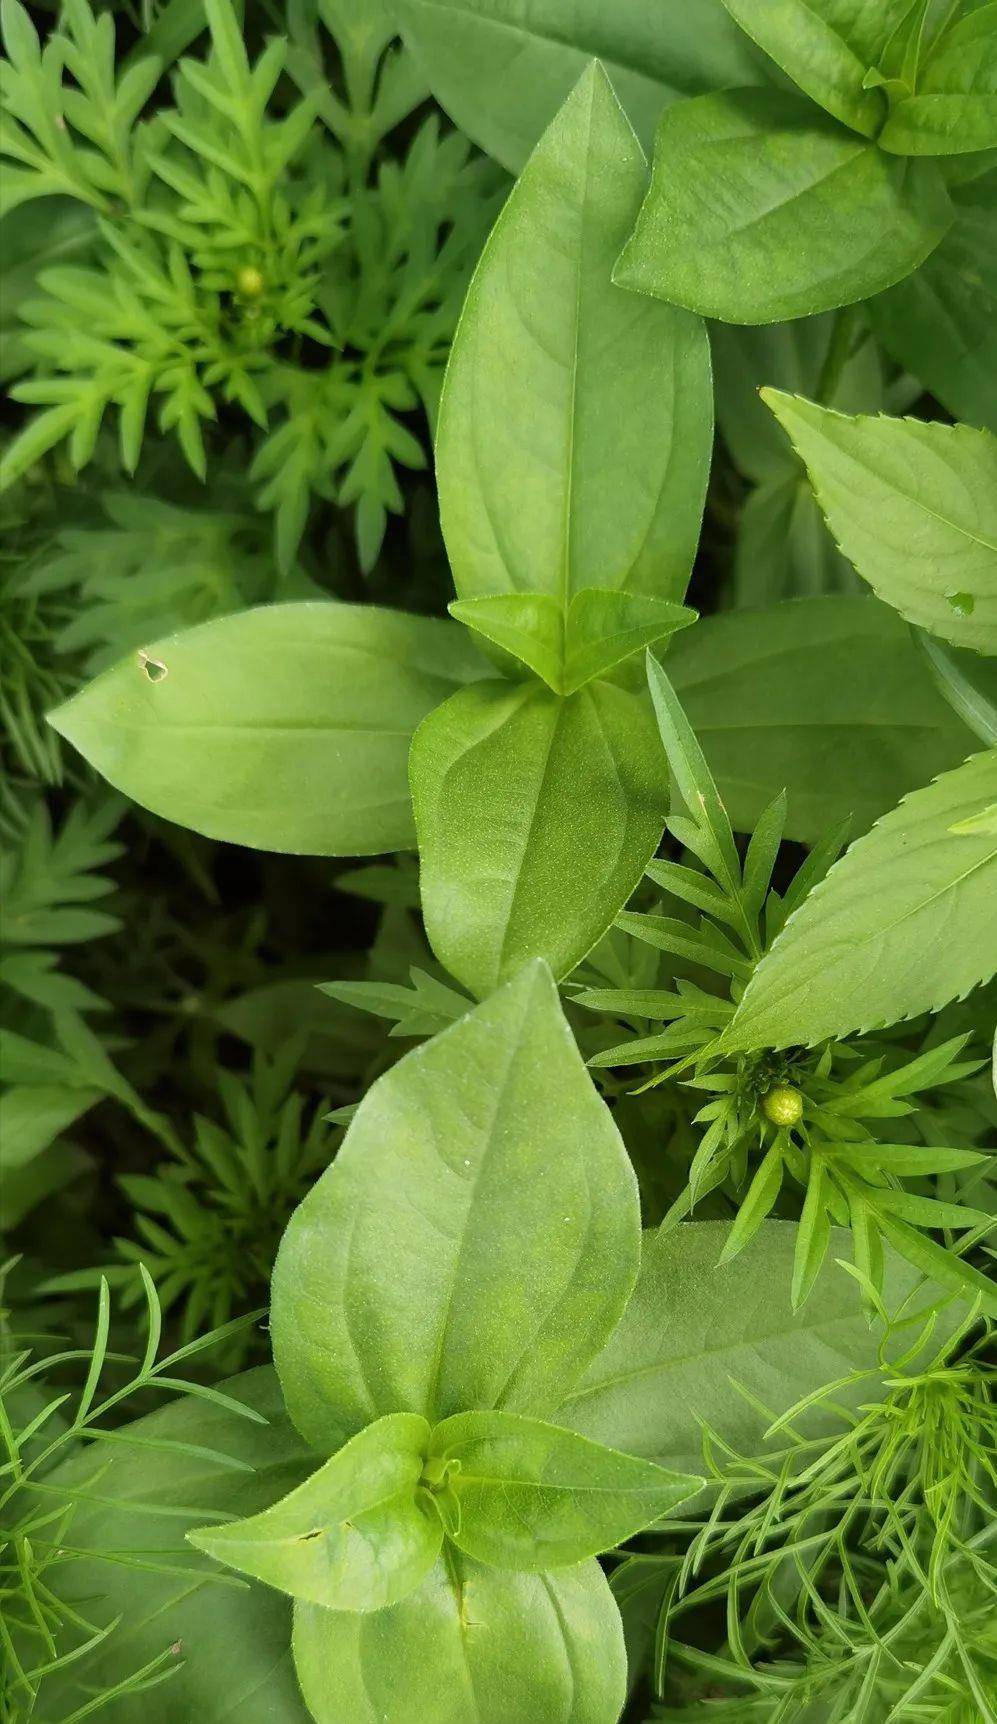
(954, 108)
(533, 1496)
(695, 1326)
(502, 68)
(902, 924)
(827, 46)
(761, 209)
(536, 817)
(474, 1644)
(284, 728)
(825, 698)
(357, 1535)
(576, 422)
(913, 505)
(476, 1238)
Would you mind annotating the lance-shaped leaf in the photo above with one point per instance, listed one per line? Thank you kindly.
(357, 1535)
(473, 1643)
(536, 817)
(576, 422)
(599, 631)
(284, 728)
(476, 1238)
(761, 209)
(501, 72)
(914, 506)
(827, 46)
(533, 1496)
(954, 108)
(902, 924)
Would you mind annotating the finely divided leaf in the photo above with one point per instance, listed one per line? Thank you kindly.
(902, 924)
(354, 1536)
(914, 506)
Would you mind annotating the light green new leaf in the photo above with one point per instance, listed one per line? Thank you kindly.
(826, 46)
(473, 1644)
(761, 209)
(694, 1327)
(502, 68)
(827, 698)
(354, 1536)
(536, 817)
(533, 1496)
(476, 1238)
(954, 108)
(941, 323)
(600, 630)
(284, 728)
(902, 924)
(576, 422)
(914, 505)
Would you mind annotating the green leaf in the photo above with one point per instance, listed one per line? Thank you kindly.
(536, 818)
(354, 1536)
(575, 423)
(901, 925)
(532, 1496)
(232, 1656)
(826, 46)
(704, 1343)
(760, 209)
(954, 108)
(826, 698)
(502, 73)
(474, 1643)
(284, 728)
(599, 632)
(941, 323)
(430, 1269)
(33, 1116)
(914, 506)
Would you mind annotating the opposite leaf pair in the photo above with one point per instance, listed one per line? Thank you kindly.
(516, 1493)
(437, 1298)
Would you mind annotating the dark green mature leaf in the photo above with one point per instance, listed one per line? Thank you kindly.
(232, 1643)
(825, 698)
(576, 423)
(474, 1645)
(954, 108)
(536, 817)
(914, 506)
(901, 925)
(827, 46)
(502, 71)
(284, 728)
(761, 209)
(532, 1496)
(694, 1328)
(941, 322)
(430, 1269)
(354, 1536)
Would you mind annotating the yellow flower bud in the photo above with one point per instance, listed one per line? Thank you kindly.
(249, 281)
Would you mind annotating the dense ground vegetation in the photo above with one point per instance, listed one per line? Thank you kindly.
(498, 639)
